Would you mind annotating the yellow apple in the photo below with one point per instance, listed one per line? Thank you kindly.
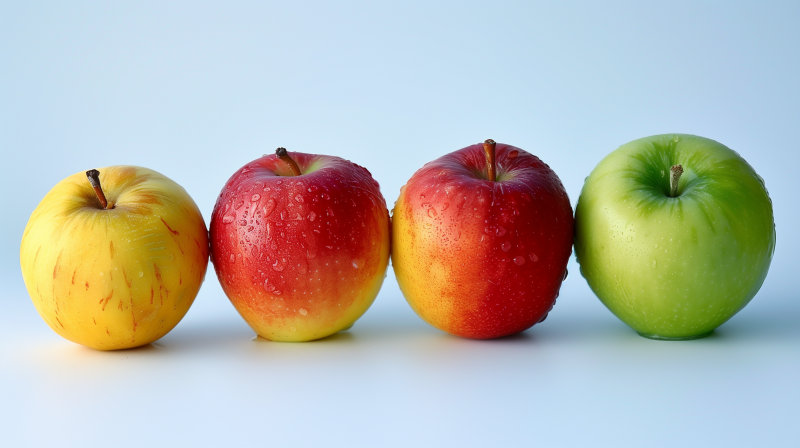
(116, 275)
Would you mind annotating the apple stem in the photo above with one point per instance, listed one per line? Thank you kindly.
(488, 148)
(674, 174)
(94, 179)
(283, 155)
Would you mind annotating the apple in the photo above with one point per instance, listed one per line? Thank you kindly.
(114, 262)
(300, 244)
(674, 234)
(481, 238)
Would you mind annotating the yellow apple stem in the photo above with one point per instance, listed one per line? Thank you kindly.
(674, 174)
(283, 155)
(488, 148)
(94, 179)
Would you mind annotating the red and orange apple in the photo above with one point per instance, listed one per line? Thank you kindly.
(481, 238)
(300, 244)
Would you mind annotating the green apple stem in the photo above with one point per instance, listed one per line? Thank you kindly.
(488, 148)
(283, 155)
(94, 179)
(674, 174)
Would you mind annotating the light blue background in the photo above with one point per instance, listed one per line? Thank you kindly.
(196, 89)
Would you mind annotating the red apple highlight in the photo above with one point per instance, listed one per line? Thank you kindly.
(481, 240)
(300, 244)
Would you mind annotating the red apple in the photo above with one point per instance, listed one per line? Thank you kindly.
(300, 244)
(481, 238)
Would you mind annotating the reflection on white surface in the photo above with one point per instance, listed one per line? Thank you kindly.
(580, 377)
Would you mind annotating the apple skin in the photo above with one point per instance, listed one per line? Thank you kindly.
(118, 278)
(482, 259)
(674, 268)
(300, 257)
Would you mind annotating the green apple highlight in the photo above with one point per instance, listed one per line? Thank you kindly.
(674, 264)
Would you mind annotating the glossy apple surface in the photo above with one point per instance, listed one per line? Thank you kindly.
(300, 257)
(674, 267)
(114, 278)
(479, 258)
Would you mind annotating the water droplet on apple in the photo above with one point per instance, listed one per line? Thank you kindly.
(312, 216)
(543, 318)
(330, 212)
(141, 274)
(227, 219)
(432, 212)
(534, 258)
(242, 222)
(675, 139)
(312, 188)
(457, 235)
(276, 292)
(513, 154)
(302, 267)
(269, 286)
(241, 203)
(654, 263)
(566, 274)
(422, 196)
(325, 196)
(311, 253)
(519, 260)
(303, 311)
(298, 198)
(255, 197)
(269, 208)
(277, 266)
(505, 246)
(233, 258)
(501, 231)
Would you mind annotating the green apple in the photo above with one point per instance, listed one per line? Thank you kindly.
(674, 234)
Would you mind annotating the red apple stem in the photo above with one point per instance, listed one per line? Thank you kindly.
(488, 148)
(94, 179)
(284, 155)
(674, 175)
